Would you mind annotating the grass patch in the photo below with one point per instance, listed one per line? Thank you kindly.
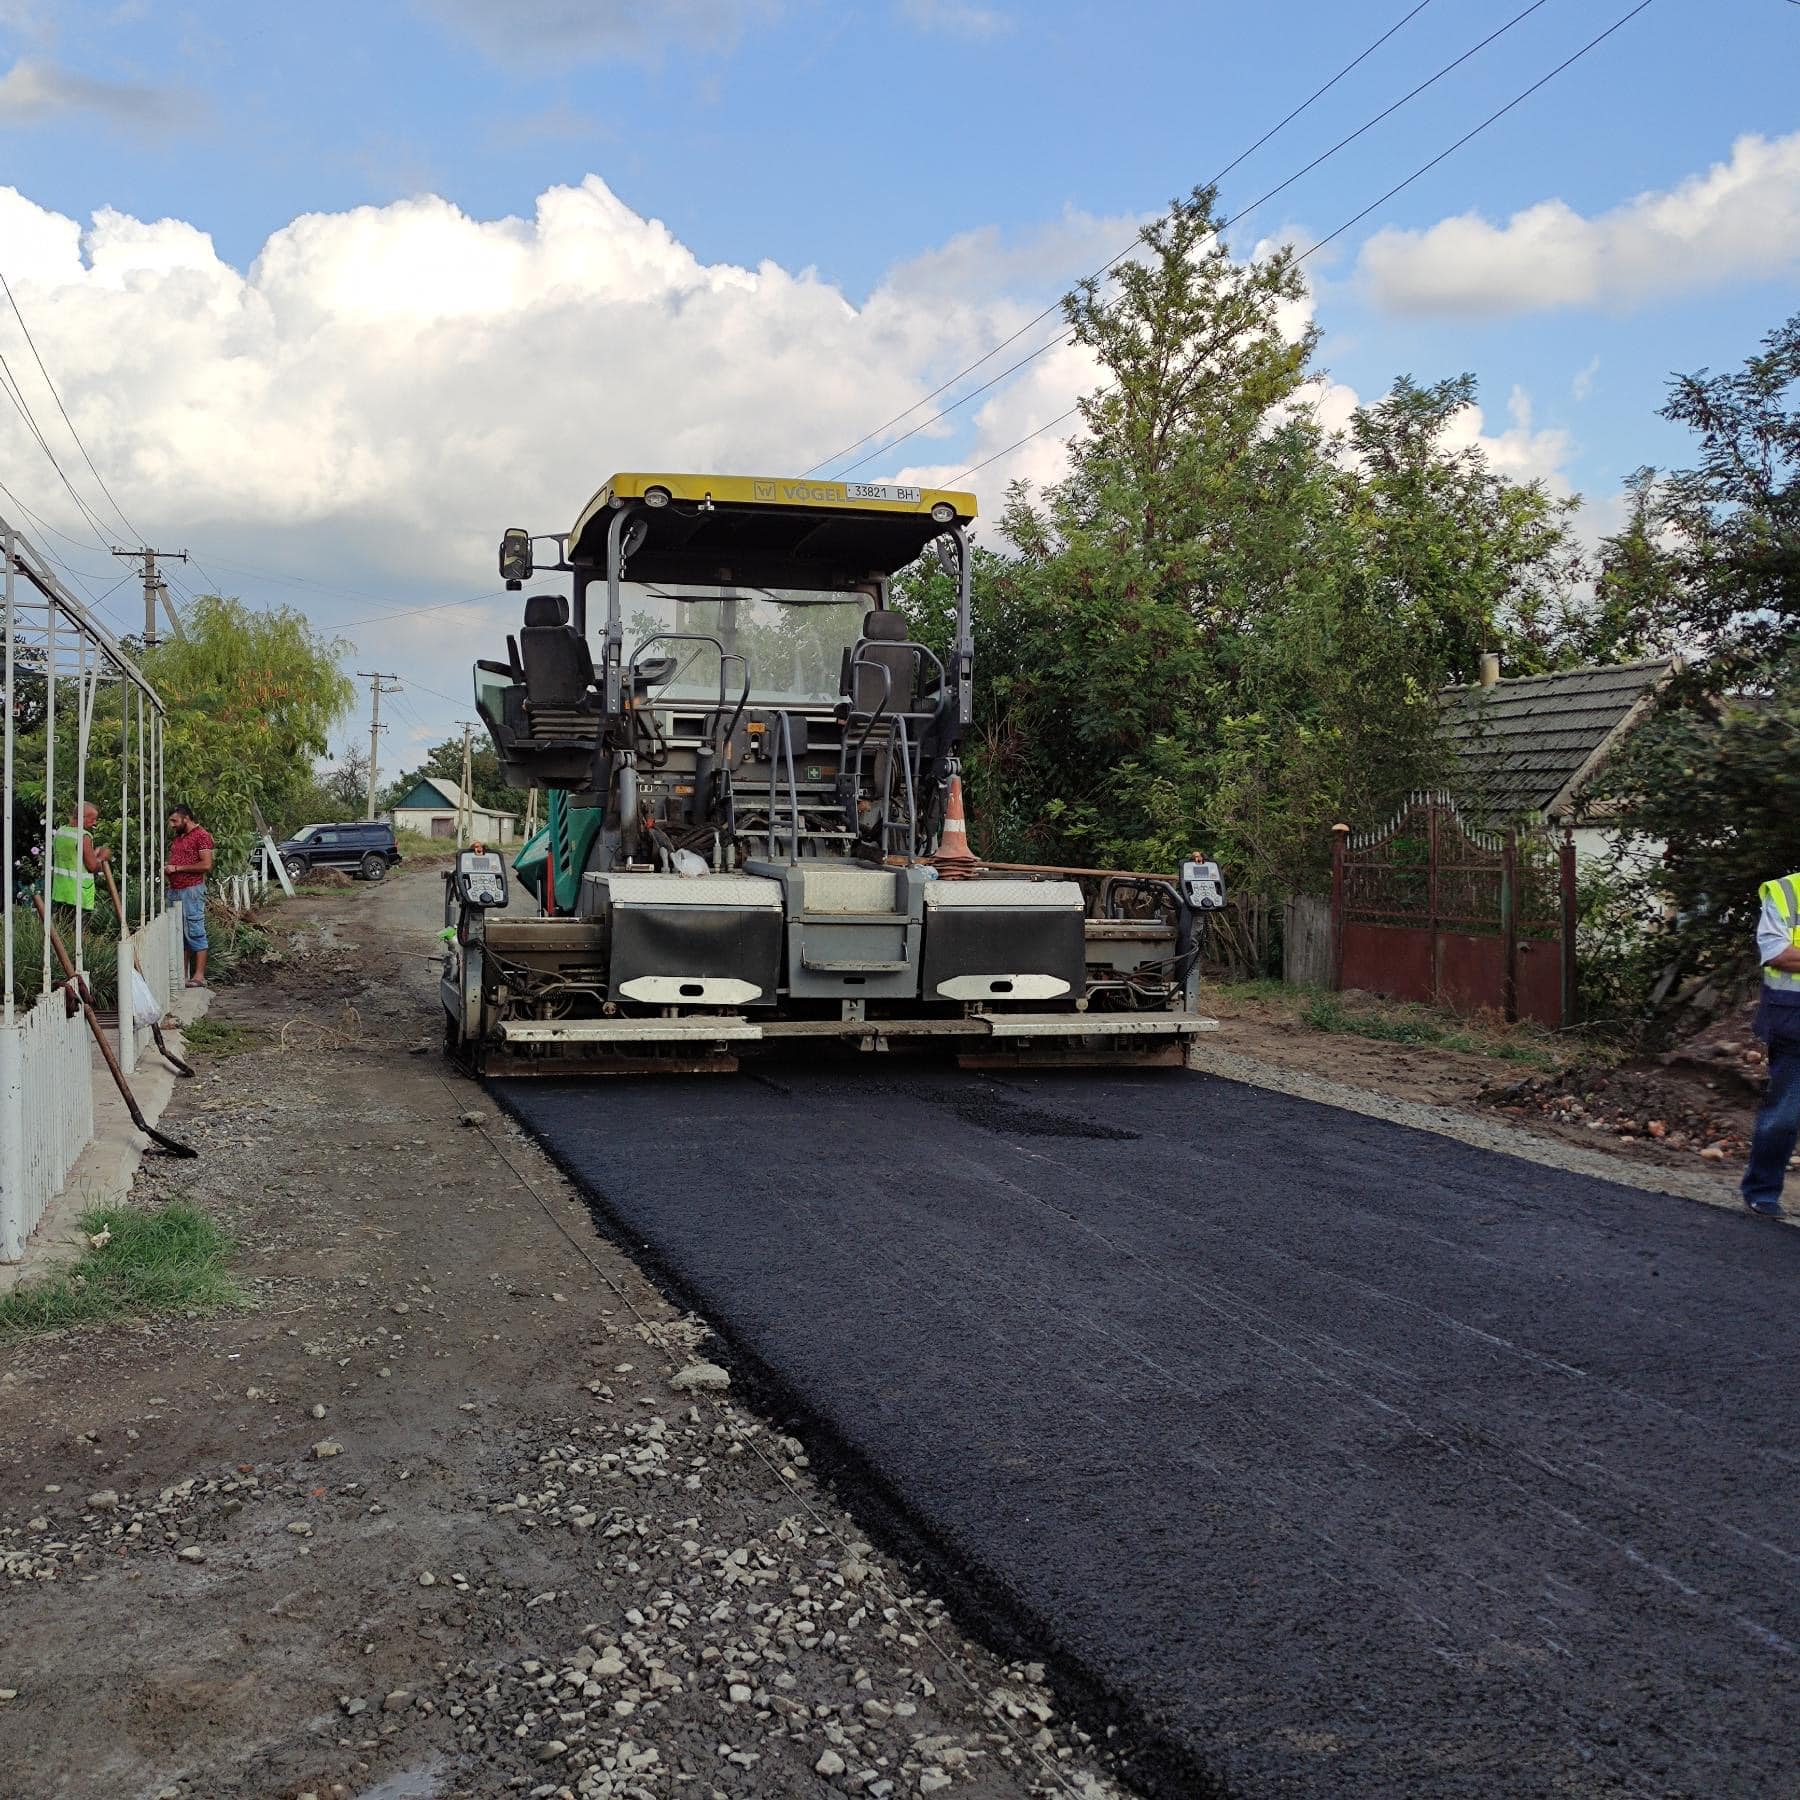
(1407, 1023)
(169, 1260)
(218, 1037)
(416, 846)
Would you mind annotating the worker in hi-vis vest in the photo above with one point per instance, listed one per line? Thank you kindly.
(1778, 1025)
(75, 860)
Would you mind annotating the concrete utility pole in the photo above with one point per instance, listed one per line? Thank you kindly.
(154, 585)
(465, 811)
(379, 684)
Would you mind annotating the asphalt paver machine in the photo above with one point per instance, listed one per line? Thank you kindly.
(754, 829)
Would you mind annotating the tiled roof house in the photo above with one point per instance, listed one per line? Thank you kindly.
(1532, 744)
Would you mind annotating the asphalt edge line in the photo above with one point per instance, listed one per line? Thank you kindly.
(1502, 1138)
(1124, 1736)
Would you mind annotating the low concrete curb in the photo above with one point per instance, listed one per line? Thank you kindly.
(104, 1171)
(1465, 1128)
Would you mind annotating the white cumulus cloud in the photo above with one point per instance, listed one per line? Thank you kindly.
(385, 388)
(1738, 221)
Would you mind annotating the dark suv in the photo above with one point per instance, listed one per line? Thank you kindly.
(364, 848)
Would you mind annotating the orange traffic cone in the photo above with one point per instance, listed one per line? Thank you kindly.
(953, 861)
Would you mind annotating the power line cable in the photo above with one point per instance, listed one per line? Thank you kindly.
(44, 524)
(10, 385)
(1424, 168)
(1223, 225)
(1281, 125)
(433, 692)
(410, 612)
(74, 574)
(54, 395)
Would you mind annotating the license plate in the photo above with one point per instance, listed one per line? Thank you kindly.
(881, 490)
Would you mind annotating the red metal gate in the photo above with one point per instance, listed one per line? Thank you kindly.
(1428, 908)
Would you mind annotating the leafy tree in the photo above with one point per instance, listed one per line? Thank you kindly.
(252, 696)
(1223, 628)
(444, 762)
(1712, 559)
(346, 783)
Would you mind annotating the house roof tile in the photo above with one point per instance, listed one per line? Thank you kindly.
(1526, 744)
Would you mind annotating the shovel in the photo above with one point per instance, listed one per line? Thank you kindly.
(168, 1055)
(75, 988)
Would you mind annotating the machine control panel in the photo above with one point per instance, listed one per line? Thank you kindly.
(480, 878)
(1202, 886)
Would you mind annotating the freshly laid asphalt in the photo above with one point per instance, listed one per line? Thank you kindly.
(1340, 1457)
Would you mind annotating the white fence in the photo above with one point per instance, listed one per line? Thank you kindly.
(165, 968)
(46, 1113)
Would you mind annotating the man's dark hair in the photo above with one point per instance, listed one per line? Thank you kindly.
(187, 812)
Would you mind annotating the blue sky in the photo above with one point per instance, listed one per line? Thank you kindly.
(1010, 146)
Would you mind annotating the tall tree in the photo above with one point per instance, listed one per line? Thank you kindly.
(1712, 559)
(1224, 628)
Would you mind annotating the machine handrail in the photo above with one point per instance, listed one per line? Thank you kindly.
(784, 739)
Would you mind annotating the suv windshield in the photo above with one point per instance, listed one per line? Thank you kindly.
(793, 639)
(306, 834)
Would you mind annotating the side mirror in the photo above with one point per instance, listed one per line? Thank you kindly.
(949, 556)
(515, 556)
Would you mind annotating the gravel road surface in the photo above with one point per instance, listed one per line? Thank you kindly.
(1340, 1458)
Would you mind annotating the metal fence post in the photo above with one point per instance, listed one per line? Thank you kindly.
(1509, 927)
(49, 773)
(1570, 920)
(1340, 838)
(8, 850)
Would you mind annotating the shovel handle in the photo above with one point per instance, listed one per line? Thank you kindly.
(112, 887)
(106, 1049)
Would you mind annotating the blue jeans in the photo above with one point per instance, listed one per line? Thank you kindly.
(1778, 1123)
(192, 902)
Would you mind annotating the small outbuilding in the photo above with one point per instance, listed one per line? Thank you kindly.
(437, 807)
(1530, 747)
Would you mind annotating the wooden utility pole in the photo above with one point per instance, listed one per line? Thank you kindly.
(154, 588)
(379, 684)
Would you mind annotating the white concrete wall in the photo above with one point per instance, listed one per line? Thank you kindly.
(46, 1114)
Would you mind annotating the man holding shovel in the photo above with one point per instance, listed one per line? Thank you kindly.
(190, 862)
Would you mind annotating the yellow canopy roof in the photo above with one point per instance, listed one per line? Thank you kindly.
(769, 530)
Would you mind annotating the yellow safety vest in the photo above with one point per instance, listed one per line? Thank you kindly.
(70, 882)
(1784, 895)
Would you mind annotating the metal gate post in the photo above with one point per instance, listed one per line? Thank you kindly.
(1570, 912)
(1432, 816)
(1509, 928)
(1340, 838)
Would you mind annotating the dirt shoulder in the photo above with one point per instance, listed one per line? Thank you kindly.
(432, 1520)
(1686, 1115)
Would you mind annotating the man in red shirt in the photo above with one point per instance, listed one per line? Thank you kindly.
(190, 861)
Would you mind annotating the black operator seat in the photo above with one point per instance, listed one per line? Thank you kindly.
(883, 645)
(559, 668)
